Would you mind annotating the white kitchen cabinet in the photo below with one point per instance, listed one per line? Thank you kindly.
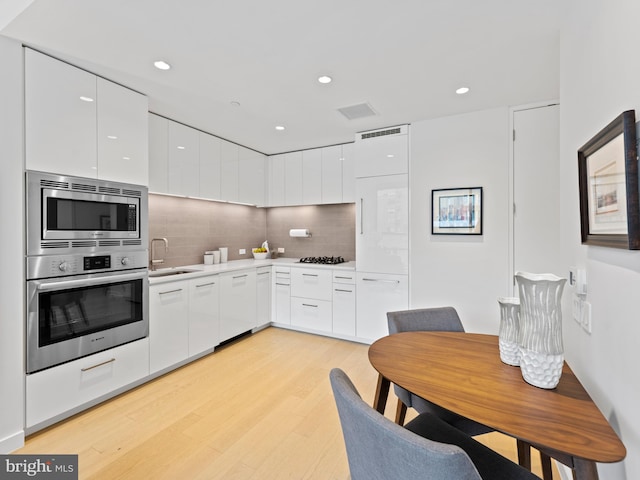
(209, 166)
(184, 170)
(348, 174)
(168, 324)
(344, 303)
(237, 303)
(332, 174)
(275, 187)
(377, 295)
(383, 152)
(311, 283)
(204, 314)
(311, 314)
(281, 295)
(123, 130)
(251, 176)
(58, 390)
(158, 154)
(382, 224)
(60, 117)
(312, 176)
(293, 178)
(229, 171)
(263, 296)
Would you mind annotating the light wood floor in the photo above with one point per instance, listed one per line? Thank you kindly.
(260, 408)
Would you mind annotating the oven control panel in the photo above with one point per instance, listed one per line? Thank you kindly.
(65, 265)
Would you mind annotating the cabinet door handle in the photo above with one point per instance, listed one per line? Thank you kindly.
(205, 284)
(240, 276)
(361, 216)
(86, 369)
(284, 284)
(309, 275)
(170, 291)
(264, 273)
(380, 280)
(309, 305)
(341, 290)
(344, 278)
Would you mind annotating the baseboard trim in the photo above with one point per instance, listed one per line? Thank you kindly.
(12, 442)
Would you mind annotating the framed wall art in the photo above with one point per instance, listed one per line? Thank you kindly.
(608, 185)
(456, 211)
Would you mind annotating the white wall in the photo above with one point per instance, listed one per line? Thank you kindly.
(11, 253)
(600, 78)
(467, 272)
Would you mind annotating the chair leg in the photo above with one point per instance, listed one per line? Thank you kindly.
(524, 454)
(401, 412)
(545, 460)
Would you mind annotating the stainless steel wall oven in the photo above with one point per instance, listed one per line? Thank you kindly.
(87, 280)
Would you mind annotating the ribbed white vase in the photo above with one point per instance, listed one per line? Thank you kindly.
(541, 349)
(509, 341)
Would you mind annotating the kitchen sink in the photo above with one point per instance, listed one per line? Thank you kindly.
(168, 272)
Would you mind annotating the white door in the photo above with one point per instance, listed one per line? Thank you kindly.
(536, 191)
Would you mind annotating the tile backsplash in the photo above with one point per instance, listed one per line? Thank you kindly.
(194, 226)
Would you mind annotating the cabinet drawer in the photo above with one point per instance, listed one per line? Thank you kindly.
(311, 283)
(312, 314)
(56, 390)
(341, 276)
(344, 309)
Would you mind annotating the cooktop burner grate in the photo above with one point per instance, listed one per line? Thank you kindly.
(323, 260)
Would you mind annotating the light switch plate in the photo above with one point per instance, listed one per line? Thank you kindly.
(280, 249)
(243, 251)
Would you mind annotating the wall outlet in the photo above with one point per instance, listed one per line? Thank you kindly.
(577, 309)
(242, 251)
(586, 317)
(280, 249)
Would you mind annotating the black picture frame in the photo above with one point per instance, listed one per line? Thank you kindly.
(456, 211)
(608, 186)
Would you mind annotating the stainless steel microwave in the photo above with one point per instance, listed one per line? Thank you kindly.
(71, 215)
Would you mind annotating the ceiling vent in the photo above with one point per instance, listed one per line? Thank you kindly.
(357, 111)
(399, 130)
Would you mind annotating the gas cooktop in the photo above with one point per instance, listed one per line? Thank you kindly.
(323, 260)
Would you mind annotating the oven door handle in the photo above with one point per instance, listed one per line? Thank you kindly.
(87, 282)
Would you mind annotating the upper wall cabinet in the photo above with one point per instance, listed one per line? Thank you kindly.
(79, 124)
(184, 157)
(189, 162)
(382, 152)
(312, 177)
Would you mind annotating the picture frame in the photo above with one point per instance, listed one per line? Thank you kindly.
(608, 186)
(456, 211)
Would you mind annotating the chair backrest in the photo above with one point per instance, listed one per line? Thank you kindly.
(378, 449)
(443, 319)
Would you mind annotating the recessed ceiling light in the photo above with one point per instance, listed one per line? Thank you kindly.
(126, 158)
(112, 137)
(279, 128)
(462, 90)
(161, 65)
(325, 79)
(180, 147)
(86, 99)
(391, 155)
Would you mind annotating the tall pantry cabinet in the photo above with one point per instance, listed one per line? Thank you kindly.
(382, 227)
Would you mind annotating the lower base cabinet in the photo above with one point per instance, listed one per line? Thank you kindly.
(237, 303)
(204, 314)
(311, 314)
(168, 324)
(377, 295)
(263, 296)
(58, 390)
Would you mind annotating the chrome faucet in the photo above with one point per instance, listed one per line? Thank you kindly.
(155, 262)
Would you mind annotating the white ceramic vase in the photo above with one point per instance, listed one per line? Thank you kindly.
(541, 349)
(509, 340)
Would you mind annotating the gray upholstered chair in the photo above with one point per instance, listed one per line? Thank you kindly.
(441, 319)
(427, 448)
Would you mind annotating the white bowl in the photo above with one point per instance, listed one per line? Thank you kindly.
(260, 256)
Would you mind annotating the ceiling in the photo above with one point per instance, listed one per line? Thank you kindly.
(404, 58)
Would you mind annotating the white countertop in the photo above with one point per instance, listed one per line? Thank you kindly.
(201, 270)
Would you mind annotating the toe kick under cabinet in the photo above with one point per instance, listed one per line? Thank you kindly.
(311, 306)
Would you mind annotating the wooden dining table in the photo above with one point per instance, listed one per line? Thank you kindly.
(462, 372)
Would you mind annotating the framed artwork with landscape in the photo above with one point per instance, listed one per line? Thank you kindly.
(608, 186)
(456, 211)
